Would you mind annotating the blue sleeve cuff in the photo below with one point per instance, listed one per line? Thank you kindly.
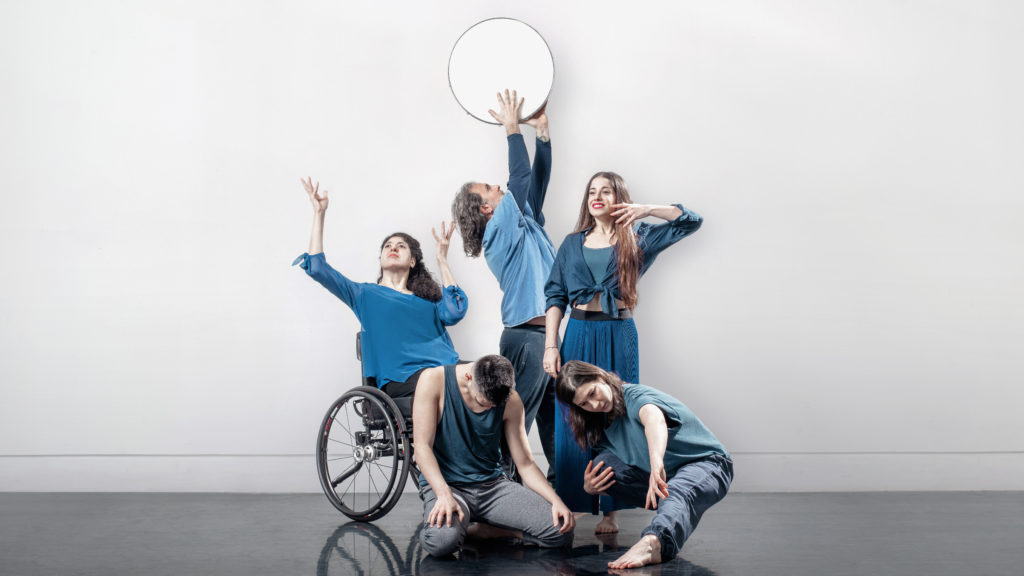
(453, 305)
(309, 262)
(687, 217)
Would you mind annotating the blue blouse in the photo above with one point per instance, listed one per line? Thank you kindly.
(572, 282)
(401, 333)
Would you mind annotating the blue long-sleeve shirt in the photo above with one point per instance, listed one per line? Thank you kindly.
(401, 333)
(571, 281)
(517, 249)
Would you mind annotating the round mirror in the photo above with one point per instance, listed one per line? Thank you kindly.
(499, 54)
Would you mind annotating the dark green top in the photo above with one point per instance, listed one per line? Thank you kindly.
(688, 438)
(467, 445)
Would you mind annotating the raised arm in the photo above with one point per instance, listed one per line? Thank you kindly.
(541, 172)
(656, 431)
(679, 224)
(447, 279)
(454, 303)
(509, 108)
(426, 413)
(314, 263)
(519, 447)
(316, 237)
(626, 214)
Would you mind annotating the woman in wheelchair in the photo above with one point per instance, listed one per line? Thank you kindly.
(404, 315)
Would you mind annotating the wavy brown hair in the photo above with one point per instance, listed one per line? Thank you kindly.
(471, 222)
(628, 255)
(420, 281)
(588, 427)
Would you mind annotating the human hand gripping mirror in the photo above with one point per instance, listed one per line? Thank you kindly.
(509, 109)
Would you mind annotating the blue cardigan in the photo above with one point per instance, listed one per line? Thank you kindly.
(401, 333)
(572, 282)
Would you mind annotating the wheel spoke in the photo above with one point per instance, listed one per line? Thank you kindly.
(340, 442)
(341, 496)
(369, 474)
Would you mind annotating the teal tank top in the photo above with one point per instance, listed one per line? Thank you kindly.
(467, 445)
(597, 261)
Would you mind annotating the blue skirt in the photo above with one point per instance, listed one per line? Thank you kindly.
(610, 345)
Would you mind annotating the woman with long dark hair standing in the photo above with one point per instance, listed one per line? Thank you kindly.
(596, 271)
(404, 314)
(654, 452)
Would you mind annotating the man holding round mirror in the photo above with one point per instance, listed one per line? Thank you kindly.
(509, 229)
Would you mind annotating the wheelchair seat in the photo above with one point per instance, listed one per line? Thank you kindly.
(404, 406)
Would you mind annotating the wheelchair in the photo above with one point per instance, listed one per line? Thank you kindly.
(364, 451)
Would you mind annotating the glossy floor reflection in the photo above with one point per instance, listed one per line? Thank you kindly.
(763, 534)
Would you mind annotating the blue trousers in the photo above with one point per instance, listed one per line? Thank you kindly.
(610, 345)
(693, 489)
(523, 346)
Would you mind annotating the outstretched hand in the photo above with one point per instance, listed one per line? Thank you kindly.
(626, 214)
(443, 240)
(509, 108)
(313, 190)
(657, 488)
(595, 480)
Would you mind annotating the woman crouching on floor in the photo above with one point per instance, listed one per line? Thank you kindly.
(652, 452)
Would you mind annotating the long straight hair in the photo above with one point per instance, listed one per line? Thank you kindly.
(588, 427)
(420, 282)
(629, 257)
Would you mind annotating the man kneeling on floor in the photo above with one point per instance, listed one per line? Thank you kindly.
(459, 415)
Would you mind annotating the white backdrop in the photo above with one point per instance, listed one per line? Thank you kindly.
(848, 318)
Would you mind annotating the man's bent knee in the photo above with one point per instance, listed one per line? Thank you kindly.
(442, 541)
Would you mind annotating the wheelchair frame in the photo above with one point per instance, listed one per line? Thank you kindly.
(365, 443)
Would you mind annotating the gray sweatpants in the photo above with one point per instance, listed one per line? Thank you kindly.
(501, 503)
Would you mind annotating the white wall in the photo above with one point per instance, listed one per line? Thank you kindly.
(849, 317)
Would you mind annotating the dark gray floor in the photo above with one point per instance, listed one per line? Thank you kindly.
(763, 534)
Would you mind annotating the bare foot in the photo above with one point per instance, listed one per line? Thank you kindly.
(646, 551)
(607, 525)
(609, 541)
(481, 531)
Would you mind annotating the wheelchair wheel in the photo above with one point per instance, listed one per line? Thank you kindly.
(363, 454)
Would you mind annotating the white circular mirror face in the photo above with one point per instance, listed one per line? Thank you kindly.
(499, 54)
